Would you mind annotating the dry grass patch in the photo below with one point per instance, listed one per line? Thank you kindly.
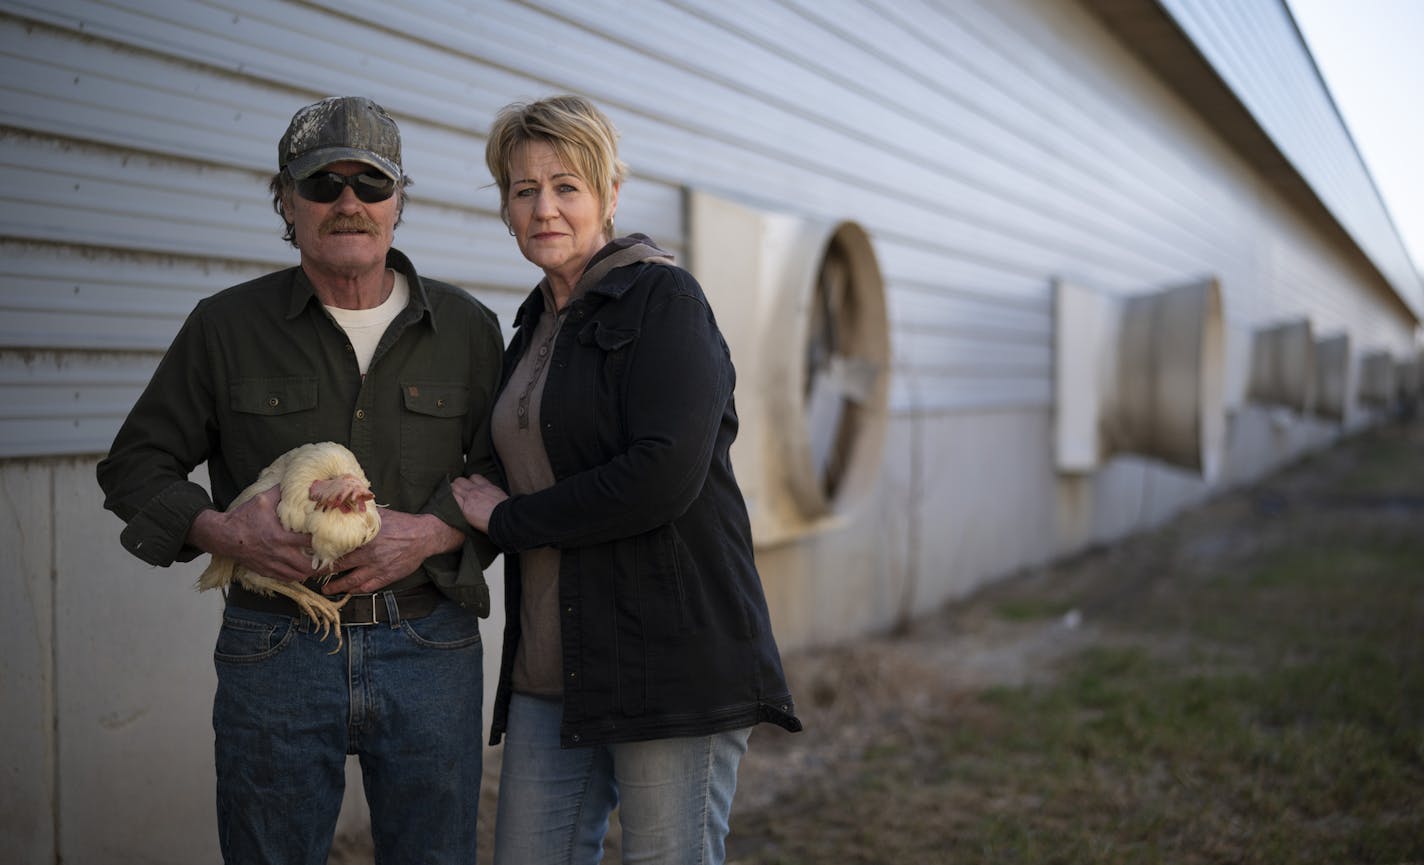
(1249, 688)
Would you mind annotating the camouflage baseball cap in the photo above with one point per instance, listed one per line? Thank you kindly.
(337, 129)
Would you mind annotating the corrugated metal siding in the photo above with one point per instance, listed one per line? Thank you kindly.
(64, 403)
(982, 154)
(1257, 50)
(65, 297)
(987, 145)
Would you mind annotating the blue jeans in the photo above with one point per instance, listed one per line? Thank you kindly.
(674, 795)
(405, 697)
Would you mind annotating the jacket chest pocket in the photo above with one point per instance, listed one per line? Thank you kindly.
(612, 343)
(609, 350)
(433, 423)
(270, 416)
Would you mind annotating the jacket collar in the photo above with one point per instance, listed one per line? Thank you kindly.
(610, 271)
(302, 292)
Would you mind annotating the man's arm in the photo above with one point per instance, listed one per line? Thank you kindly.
(165, 436)
(404, 542)
(252, 535)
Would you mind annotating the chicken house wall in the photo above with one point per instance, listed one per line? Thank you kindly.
(988, 147)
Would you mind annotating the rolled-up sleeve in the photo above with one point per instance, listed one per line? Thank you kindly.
(164, 437)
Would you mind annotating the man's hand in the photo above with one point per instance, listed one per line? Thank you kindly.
(405, 540)
(252, 535)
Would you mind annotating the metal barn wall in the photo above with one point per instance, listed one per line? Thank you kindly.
(988, 147)
(1259, 54)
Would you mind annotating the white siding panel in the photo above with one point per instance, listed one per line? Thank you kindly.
(898, 135)
(145, 102)
(943, 350)
(935, 89)
(1257, 50)
(285, 44)
(929, 394)
(950, 310)
(983, 156)
(72, 85)
(71, 297)
(67, 403)
(720, 115)
(68, 193)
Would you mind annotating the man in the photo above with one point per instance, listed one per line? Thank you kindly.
(353, 347)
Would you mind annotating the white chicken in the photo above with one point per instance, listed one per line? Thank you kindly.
(324, 494)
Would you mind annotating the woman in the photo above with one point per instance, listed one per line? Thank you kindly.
(638, 652)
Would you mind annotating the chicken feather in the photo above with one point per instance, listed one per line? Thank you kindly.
(324, 494)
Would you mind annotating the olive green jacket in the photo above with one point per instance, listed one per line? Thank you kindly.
(261, 367)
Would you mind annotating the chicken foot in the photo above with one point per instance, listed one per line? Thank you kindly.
(325, 612)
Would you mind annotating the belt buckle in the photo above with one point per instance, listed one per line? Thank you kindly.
(373, 621)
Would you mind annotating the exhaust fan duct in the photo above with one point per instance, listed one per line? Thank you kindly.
(1283, 366)
(1142, 374)
(1377, 388)
(1332, 377)
(801, 303)
(1409, 379)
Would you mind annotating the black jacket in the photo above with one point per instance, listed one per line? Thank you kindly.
(664, 623)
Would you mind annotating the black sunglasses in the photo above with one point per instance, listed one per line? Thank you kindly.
(326, 186)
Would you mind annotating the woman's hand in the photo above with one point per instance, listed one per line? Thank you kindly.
(477, 498)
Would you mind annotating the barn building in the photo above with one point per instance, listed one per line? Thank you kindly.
(1002, 278)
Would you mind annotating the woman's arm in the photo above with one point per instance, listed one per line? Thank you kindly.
(679, 382)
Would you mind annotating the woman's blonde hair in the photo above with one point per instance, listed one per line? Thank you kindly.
(582, 137)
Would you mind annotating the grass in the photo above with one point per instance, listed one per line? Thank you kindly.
(1032, 609)
(1269, 709)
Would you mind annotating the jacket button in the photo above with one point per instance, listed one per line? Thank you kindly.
(360, 414)
(576, 737)
(569, 610)
(273, 401)
(573, 676)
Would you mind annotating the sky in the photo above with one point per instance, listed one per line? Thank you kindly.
(1371, 55)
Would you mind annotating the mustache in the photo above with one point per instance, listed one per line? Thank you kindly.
(349, 222)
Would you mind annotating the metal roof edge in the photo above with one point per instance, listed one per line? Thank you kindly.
(1298, 142)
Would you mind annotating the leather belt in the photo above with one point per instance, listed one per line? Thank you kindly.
(371, 609)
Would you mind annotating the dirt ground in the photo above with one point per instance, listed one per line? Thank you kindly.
(1024, 629)
(1017, 634)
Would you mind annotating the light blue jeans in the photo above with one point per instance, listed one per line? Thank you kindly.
(405, 698)
(674, 795)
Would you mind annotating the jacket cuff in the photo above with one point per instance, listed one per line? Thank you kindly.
(478, 548)
(465, 584)
(499, 527)
(158, 533)
(443, 505)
